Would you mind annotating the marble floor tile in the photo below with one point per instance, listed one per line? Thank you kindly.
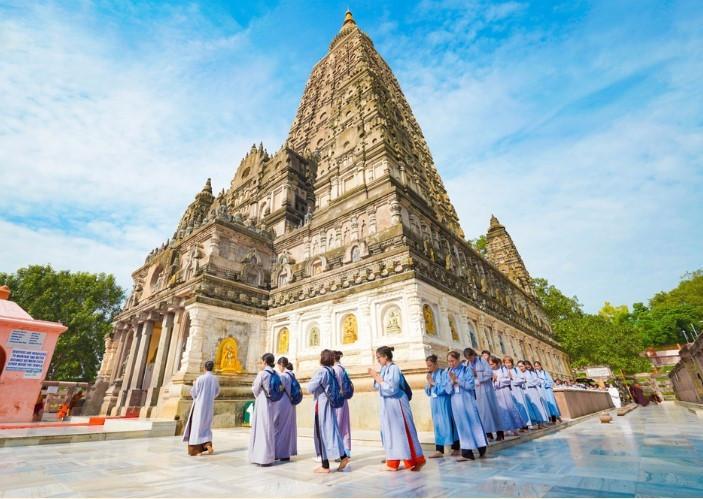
(654, 451)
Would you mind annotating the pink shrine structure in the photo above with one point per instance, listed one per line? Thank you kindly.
(26, 348)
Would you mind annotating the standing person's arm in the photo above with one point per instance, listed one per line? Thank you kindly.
(316, 380)
(258, 384)
(388, 385)
(465, 380)
(196, 389)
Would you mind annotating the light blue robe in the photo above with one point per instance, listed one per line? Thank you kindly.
(548, 386)
(328, 439)
(518, 383)
(485, 395)
(510, 415)
(262, 441)
(441, 405)
(472, 434)
(533, 397)
(343, 418)
(395, 416)
(198, 429)
(284, 421)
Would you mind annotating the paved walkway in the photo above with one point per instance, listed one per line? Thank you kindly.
(654, 451)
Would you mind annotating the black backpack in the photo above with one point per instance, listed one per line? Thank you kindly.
(332, 391)
(406, 387)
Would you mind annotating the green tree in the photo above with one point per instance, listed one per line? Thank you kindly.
(556, 304)
(595, 340)
(671, 312)
(480, 244)
(591, 339)
(616, 314)
(86, 303)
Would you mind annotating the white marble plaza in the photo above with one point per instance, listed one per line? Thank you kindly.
(654, 451)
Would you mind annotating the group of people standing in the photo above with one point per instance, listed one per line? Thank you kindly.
(483, 397)
(473, 401)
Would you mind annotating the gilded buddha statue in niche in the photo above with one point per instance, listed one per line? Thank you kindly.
(227, 361)
(349, 330)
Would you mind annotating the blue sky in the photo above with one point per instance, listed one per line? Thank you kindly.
(579, 124)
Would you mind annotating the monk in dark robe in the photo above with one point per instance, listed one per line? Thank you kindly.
(638, 394)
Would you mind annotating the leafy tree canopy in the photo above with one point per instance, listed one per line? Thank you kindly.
(86, 303)
(480, 244)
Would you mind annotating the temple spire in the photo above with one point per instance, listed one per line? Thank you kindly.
(348, 18)
(502, 252)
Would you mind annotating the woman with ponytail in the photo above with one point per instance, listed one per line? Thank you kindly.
(398, 433)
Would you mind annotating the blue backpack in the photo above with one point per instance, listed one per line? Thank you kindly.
(276, 390)
(332, 391)
(406, 387)
(296, 393)
(347, 385)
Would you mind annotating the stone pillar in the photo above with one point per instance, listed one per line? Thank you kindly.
(135, 393)
(128, 372)
(193, 356)
(122, 337)
(174, 349)
(162, 352)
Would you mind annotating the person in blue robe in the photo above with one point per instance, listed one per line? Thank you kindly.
(517, 382)
(485, 393)
(461, 388)
(548, 386)
(441, 406)
(328, 438)
(398, 432)
(533, 397)
(510, 415)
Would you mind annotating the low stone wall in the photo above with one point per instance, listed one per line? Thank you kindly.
(574, 403)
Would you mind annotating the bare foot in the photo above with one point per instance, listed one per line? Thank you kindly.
(343, 463)
(388, 468)
(322, 470)
(417, 467)
(436, 455)
(209, 449)
(455, 453)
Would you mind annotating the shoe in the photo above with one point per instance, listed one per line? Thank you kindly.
(343, 464)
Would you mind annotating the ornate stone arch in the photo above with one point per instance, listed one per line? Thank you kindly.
(316, 266)
(471, 333)
(355, 252)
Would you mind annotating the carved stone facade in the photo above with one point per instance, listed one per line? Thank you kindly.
(345, 238)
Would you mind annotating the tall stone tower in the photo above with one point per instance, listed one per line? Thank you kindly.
(501, 251)
(344, 238)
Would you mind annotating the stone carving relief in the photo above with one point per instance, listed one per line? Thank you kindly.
(314, 337)
(453, 329)
(391, 321)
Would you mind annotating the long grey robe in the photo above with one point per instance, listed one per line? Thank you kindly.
(518, 383)
(284, 422)
(396, 418)
(510, 415)
(198, 429)
(533, 397)
(472, 435)
(328, 439)
(343, 420)
(485, 395)
(262, 441)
